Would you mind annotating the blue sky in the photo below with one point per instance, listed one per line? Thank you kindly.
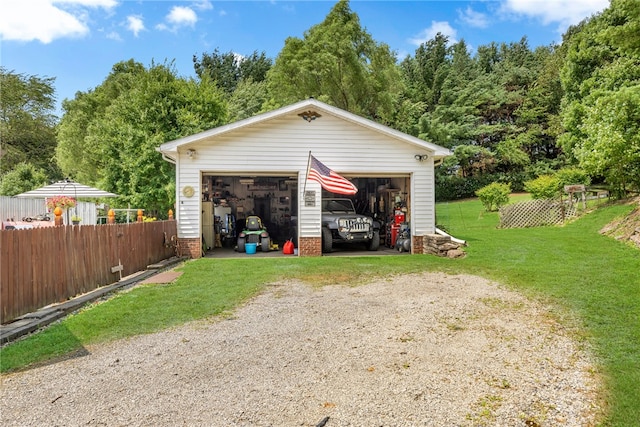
(78, 41)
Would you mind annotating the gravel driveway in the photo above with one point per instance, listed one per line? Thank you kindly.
(411, 350)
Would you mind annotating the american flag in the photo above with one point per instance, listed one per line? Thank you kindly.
(329, 180)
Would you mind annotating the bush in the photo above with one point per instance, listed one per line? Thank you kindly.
(543, 187)
(572, 176)
(493, 196)
(450, 187)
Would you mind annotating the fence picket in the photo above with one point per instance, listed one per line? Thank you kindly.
(41, 266)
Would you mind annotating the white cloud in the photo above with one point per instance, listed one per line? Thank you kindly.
(473, 18)
(436, 27)
(181, 16)
(113, 35)
(47, 20)
(562, 12)
(203, 5)
(135, 24)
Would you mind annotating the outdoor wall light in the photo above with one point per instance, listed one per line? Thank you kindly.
(191, 153)
(421, 157)
(309, 115)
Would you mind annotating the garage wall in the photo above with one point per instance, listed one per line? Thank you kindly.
(281, 147)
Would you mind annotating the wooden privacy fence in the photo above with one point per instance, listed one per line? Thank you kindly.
(535, 213)
(41, 266)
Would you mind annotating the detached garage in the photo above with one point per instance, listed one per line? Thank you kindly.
(259, 166)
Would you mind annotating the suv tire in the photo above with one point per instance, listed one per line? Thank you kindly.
(374, 244)
(327, 240)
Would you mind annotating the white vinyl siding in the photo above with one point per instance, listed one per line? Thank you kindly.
(280, 147)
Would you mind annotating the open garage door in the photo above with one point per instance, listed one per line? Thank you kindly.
(227, 202)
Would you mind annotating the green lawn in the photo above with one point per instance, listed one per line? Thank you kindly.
(594, 281)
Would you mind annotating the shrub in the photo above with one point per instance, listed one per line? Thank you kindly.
(543, 187)
(450, 187)
(572, 176)
(493, 196)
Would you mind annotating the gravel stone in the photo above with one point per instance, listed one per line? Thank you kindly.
(411, 350)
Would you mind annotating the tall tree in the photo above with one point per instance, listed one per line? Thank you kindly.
(156, 107)
(76, 155)
(601, 77)
(229, 69)
(338, 62)
(426, 72)
(27, 122)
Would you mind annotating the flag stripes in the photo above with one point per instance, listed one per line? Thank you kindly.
(328, 179)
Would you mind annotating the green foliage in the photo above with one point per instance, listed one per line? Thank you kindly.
(110, 135)
(494, 196)
(572, 176)
(612, 144)
(27, 122)
(247, 100)
(543, 187)
(453, 187)
(473, 160)
(24, 177)
(337, 62)
(601, 77)
(229, 69)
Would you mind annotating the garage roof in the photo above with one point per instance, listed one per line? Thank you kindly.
(171, 147)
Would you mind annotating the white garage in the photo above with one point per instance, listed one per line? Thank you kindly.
(259, 166)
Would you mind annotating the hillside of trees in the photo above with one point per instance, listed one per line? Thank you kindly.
(508, 112)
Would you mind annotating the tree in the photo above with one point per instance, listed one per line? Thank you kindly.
(339, 63)
(156, 107)
(247, 100)
(22, 178)
(77, 156)
(27, 122)
(601, 78)
(229, 69)
(426, 72)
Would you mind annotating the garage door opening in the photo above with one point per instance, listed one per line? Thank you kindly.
(227, 202)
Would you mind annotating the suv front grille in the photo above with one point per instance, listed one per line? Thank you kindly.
(354, 225)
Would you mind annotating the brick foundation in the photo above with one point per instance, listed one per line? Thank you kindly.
(310, 246)
(417, 244)
(190, 247)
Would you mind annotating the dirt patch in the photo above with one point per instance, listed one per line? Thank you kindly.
(626, 229)
(421, 349)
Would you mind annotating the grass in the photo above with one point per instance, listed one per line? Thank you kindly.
(593, 280)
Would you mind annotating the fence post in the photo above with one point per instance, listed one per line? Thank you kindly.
(58, 216)
(139, 215)
(111, 217)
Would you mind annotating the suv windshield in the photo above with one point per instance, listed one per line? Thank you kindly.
(337, 205)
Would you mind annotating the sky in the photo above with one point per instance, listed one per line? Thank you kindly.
(77, 42)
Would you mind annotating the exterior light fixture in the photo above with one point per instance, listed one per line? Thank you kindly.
(421, 157)
(309, 115)
(191, 153)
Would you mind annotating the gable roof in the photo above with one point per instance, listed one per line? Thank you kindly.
(171, 147)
